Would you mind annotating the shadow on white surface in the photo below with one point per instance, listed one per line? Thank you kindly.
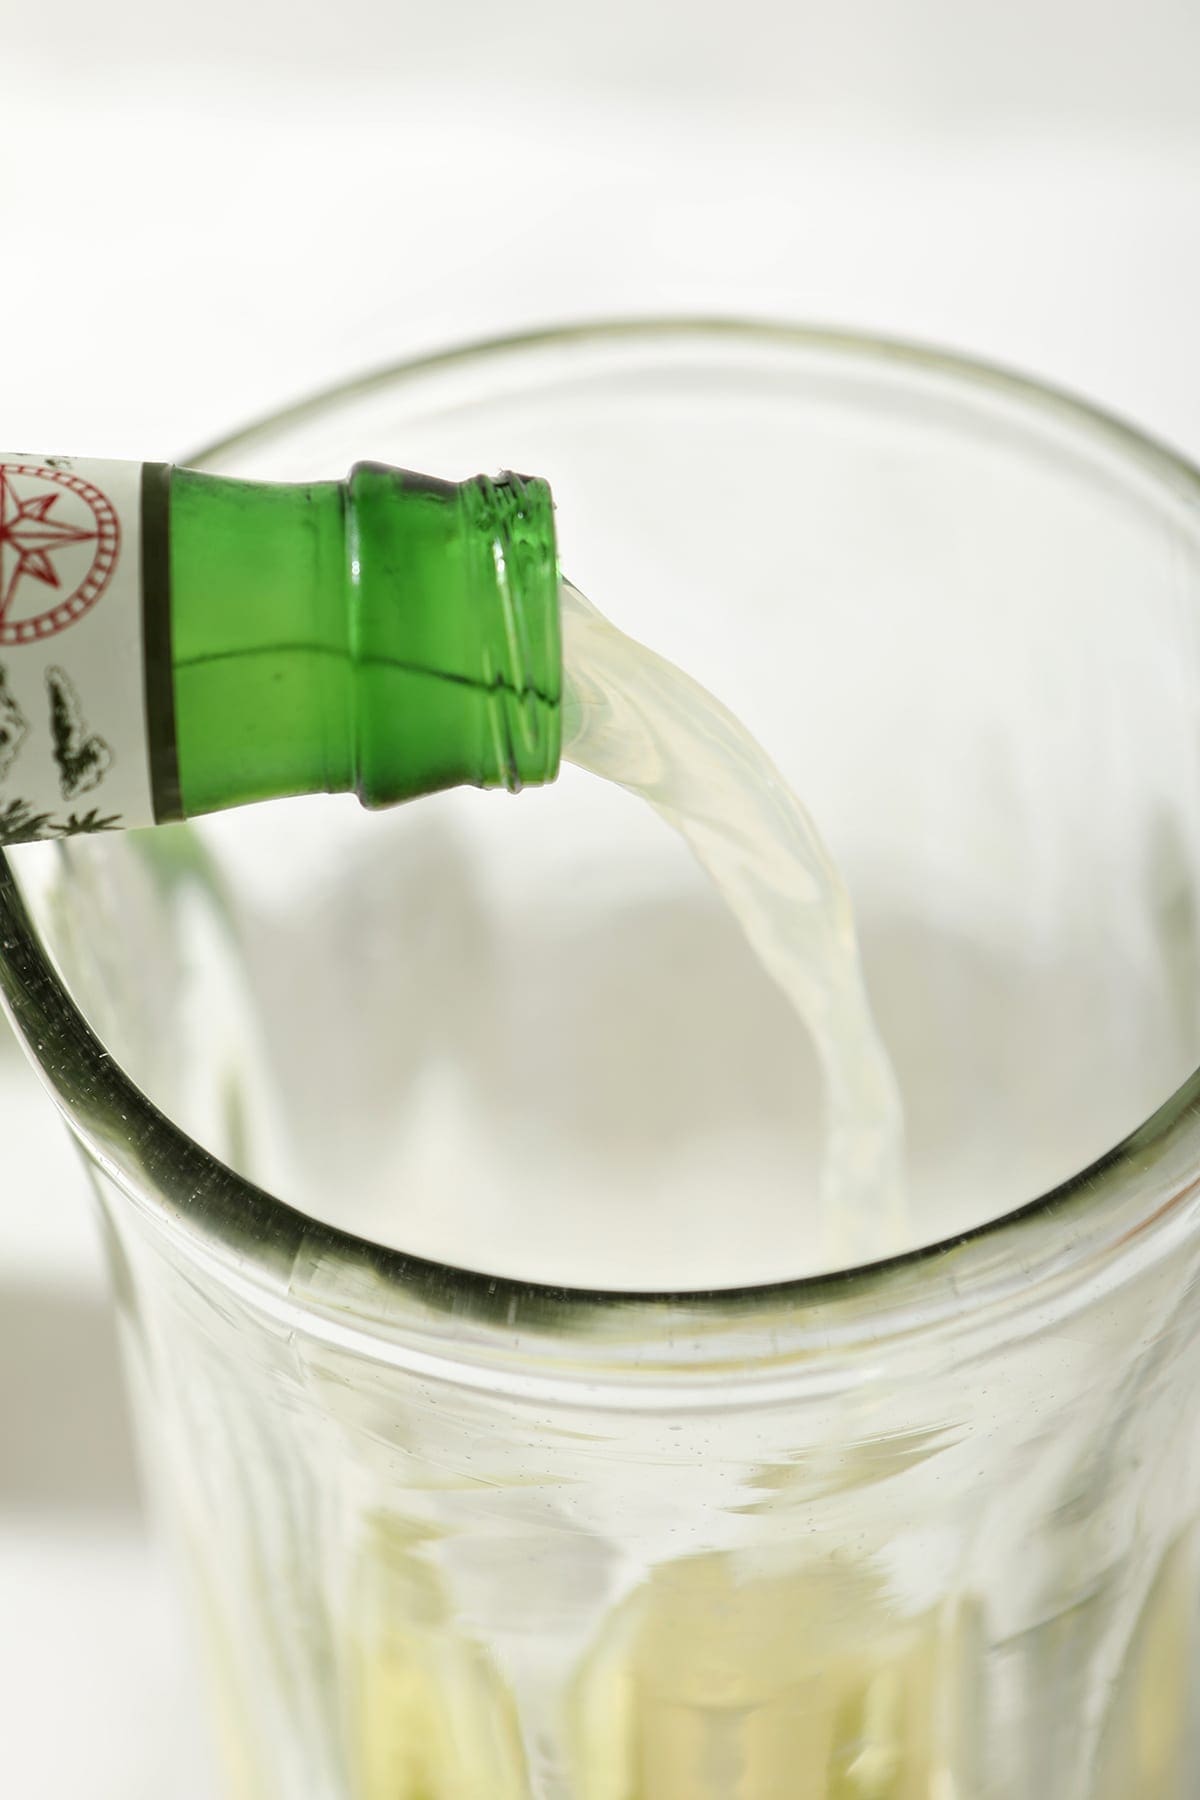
(101, 1699)
(67, 1444)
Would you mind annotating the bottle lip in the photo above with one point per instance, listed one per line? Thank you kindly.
(471, 635)
(511, 519)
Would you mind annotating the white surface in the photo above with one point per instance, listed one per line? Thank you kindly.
(99, 1700)
(207, 211)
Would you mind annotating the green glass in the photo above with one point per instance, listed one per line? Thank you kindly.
(391, 635)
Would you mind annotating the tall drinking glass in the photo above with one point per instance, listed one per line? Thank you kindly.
(458, 1166)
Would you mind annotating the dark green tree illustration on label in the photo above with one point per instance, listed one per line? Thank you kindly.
(83, 758)
(20, 823)
(13, 725)
(80, 824)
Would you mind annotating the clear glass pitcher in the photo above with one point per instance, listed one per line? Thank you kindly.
(457, 1167)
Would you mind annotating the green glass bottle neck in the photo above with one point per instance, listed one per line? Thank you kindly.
(390, 635)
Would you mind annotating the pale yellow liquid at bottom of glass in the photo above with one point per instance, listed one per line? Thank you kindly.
(715, 1682)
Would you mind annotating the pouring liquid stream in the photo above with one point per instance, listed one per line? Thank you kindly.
(635, 719)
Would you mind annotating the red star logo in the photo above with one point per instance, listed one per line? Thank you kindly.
(28, 531)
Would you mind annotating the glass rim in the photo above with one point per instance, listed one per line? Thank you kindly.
(1038, 1254)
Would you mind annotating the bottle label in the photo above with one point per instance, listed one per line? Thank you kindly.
(74, 745)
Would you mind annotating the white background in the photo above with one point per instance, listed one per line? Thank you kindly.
(207, 210)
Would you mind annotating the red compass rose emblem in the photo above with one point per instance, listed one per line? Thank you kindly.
(59, 543)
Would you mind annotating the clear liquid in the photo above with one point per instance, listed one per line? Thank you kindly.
(637, 720)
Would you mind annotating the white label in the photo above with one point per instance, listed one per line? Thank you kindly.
(73, 739)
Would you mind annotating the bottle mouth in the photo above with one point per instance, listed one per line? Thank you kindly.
(521, 650)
